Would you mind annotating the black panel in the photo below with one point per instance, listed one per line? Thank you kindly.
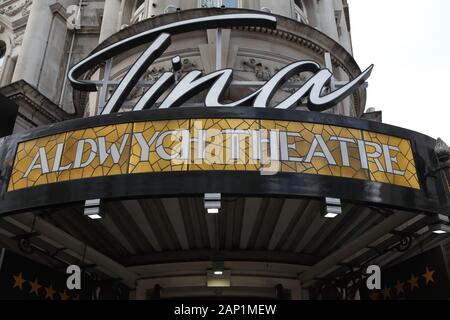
(9, 111)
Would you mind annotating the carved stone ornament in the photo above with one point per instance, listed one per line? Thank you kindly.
(14, 9)
(442, 149)
(188, 65)
(261, 71)
(18, 38)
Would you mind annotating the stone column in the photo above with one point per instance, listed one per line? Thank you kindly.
(110, 23)
(34, 43)
(126, 8)
(327, 18)
(7, 70)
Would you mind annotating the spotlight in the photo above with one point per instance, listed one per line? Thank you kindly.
(218, 276)
(332, 208)
(440, 224)
(440, 228)
(212, 202)
(176, 63)
(93, 209)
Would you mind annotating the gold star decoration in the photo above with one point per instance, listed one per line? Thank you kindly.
(64, 295)
(428, 275)
(414, 282)
(19, 281)
(374, 295)
(386, 292)
(35, 286)
(399, 287)
(50, 292)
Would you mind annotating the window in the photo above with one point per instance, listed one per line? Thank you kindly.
(231, 3)
(300, 13)
(219, 3)
(299, 17)
(299, 4)
(138, 4)
(139, 12)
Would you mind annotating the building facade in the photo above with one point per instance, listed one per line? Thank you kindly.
(164, 244)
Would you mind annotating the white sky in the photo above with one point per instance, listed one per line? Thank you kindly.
(408, 41)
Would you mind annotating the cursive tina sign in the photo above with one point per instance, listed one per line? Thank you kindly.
(194, 82)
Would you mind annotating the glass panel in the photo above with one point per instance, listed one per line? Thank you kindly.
(299, 4)
(139, 3)
(209, 3)
(231, 3)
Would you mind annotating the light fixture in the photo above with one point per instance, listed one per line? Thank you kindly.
(218, 276)
(440, 224)
(95, 216)
(93, 209)
(330, 215)
(218, 266)
(440, 228)
(212, 202)
(331, 208)
(176, 63)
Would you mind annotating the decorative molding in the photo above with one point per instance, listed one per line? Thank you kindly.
(265, 73)
(16, 8)
(442, 149)
(153, 75)
(261, 71)
(18, 38)
(34, 107)
(187, 65)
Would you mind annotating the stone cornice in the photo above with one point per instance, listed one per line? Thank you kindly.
(26, 96)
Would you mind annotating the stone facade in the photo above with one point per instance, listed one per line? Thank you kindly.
(42, 39)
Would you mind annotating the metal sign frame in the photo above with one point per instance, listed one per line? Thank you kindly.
(433, 196)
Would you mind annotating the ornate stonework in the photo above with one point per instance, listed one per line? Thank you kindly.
(19, 7)
(261, 71)
(18, 38)
(154, 74)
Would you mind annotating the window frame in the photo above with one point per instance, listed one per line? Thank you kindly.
(299, 14)
(139, 13)
(219, 4)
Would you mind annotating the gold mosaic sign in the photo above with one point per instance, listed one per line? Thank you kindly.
(268, 146)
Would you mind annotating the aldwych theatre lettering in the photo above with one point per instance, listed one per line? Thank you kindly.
(268, 146)
(214, 146)
(194, 82)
